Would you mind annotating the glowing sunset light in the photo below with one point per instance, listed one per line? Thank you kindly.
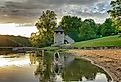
(12, 29)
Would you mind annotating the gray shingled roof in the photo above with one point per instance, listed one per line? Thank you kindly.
(59, 29)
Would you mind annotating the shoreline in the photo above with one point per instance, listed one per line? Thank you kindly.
(109, 60)
(92, 62)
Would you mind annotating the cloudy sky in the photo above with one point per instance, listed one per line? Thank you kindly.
(28, 11)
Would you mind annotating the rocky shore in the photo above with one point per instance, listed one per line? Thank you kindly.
(109, 59)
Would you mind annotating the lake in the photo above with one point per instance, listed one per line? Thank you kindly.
(41, 67)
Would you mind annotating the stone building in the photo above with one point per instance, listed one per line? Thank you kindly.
(60, 38)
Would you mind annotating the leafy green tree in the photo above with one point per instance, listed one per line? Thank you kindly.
(88, 29)
(71, 25)
(107, 28)
(45, 26)
(98, 32)
(115, 13)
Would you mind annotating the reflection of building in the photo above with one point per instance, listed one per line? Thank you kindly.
(70, 69)
(60, 38)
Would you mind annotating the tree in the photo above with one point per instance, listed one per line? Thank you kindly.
(71, 25)
(45, 26)
(98, 32)
(115, 13)
(107, 28)
(88, 29)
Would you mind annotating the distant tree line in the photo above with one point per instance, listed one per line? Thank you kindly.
(76, 28)
(73, 26)
(14, 41)
(85, 30)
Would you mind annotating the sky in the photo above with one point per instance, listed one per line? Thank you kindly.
(14, 12)
(13, 29)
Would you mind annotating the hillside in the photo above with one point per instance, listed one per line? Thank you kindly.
(13, 41)
(105, 41)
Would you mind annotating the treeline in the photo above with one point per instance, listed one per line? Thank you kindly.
(73, 26)
(85, 30)
(76, 28)
(14, 41)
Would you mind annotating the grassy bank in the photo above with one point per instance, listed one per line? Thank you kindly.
(105, 41)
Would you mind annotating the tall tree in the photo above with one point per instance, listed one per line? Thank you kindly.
(115, 13)
(98, 31)
(71, 25)
(107, 28)
(88, 29)
(45, 26)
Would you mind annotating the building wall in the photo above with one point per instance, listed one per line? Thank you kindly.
(58, 38)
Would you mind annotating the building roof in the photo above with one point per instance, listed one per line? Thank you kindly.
(59, 29)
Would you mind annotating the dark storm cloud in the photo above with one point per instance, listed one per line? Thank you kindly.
(29, 10)
(97, 10)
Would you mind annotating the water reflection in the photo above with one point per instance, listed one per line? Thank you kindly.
(15, 59)
(48, 67)
(70, 69)
(16, 68)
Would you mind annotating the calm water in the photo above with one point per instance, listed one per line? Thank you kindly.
(30, 67)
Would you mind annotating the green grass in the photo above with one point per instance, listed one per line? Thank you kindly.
(105, 41)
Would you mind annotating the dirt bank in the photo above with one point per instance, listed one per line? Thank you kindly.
(109, 59)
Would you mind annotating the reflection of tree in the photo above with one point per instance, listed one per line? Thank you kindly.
(79, 68)
(32, 58)
(73, 71)
(46, 70)
(40, 68)
(43, 70)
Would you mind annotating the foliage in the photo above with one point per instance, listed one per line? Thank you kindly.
(71, 25)
(115, 13)
(107, 29)
(14, 41)
(45, 26)
(88, 29)
(98, 31)
(85, 30)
